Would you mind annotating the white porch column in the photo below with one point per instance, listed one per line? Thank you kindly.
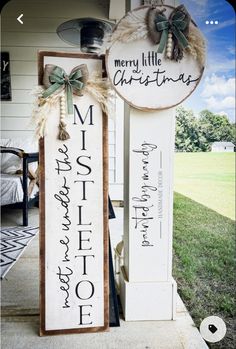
(148, 291)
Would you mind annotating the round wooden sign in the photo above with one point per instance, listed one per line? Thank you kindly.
(141, 74)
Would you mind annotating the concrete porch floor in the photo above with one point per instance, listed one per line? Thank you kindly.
(20, 309)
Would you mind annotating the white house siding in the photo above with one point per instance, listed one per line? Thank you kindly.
(223, 149)
(41, 19)
(226, 147)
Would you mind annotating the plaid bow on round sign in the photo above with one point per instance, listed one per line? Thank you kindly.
(177, 23)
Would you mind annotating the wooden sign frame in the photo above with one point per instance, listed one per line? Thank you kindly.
(135, 64)
(43, 330)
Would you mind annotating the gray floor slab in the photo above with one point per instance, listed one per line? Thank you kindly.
(18, 333)
(20, 311)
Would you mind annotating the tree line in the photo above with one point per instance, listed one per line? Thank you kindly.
(195, 134)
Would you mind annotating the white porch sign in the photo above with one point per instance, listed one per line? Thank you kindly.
(152, 82)
(144, 78)
(73, 217)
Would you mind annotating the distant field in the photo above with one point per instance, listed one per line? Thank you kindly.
(208, 178)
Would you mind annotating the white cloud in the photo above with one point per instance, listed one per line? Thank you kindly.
(231, 50)
(218, 85)
(222, 112)
(220, 63)
(218, 103)
(218, 93)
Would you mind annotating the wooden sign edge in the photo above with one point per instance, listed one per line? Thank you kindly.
(124, 99)
(42, 330)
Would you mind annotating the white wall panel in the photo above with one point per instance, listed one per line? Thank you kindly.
(32, 39)
(111, 137)
(19, 124)
(24, 68)
(22, 96)
(14, 109)
(23, 42)
(24, 82)
(17, 134)
(39, 24)
(30, 53)
(58, 8)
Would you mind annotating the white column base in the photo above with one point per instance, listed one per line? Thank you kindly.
(147, 300)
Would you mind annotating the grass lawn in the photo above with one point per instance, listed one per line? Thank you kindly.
(204, 263)
(208, 178)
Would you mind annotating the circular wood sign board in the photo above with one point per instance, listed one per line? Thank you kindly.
(147, 80)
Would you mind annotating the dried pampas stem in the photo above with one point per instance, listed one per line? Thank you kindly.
(197, 45)
(41, 110)
(132, 27)
(101, 90)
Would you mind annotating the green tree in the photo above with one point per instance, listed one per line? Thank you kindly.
(189, 135)
(216, 127)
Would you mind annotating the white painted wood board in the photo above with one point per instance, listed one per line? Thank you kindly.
(74, 219)
(146, 79)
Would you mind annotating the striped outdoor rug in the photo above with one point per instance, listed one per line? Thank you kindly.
(13, 242)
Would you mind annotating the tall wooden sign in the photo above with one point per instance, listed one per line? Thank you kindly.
(74, 210)
(154, 63)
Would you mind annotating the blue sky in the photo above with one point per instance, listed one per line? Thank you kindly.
(216, 92)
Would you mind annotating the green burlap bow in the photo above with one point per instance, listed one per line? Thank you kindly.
(55, 78)
(178, 22)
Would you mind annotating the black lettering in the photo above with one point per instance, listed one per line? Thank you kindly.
(63, 165)
(82, 314)
(84, 187)
(91, 292)
(84, 165)
(80, 217)
(66, 244)
(89, 113)
(85, 262)
(81, 248)
(83, 140)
